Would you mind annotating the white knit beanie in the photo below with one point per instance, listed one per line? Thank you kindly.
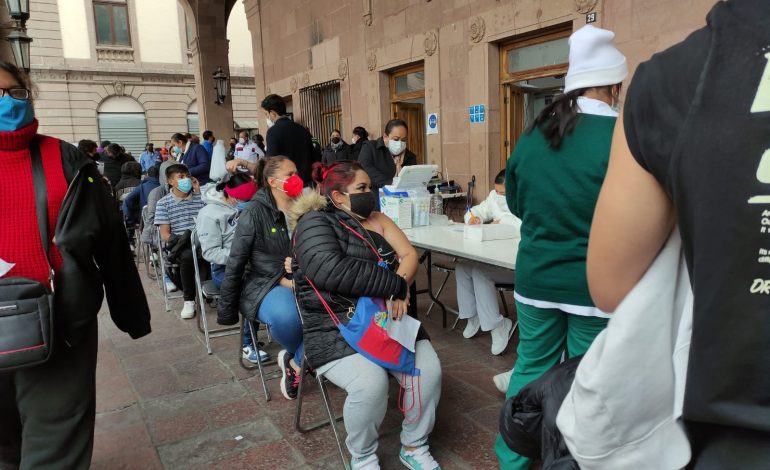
(594, 60)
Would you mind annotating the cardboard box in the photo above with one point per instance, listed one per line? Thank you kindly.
(399, 209)
(488, 232)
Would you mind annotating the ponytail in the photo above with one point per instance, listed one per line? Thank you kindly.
(335, 177)
(266, 168)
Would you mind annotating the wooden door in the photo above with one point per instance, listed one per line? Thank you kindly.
(513, 118)
(414, 116)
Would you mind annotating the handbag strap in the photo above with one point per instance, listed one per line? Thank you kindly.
(374, 250)
(41, 200)
(329, 310)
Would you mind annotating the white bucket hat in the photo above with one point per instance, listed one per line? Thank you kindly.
(594, 60)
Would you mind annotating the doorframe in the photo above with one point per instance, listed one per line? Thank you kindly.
(509, 135)
(396, 98)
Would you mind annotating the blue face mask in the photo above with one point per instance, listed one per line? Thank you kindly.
(15, 114)
(184, 185)
(241, 205)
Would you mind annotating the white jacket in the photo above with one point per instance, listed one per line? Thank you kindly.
(492, 208)
(216, 226)
(249, 151)
(624, 405)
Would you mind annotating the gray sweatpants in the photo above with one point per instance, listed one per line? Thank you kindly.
(366, 384)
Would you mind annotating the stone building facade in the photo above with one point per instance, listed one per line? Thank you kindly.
(89, 89)
(482, 66)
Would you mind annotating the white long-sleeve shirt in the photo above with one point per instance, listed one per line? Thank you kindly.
(493, 208)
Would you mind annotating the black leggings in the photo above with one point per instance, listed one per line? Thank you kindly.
(187, 272)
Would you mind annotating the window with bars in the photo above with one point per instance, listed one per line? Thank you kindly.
(321, 109)
(111, 24)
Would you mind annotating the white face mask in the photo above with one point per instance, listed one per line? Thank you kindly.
(270, 123)
(241, 141)
(396, 147)
(501, 201)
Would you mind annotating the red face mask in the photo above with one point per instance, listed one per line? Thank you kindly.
(292, 186)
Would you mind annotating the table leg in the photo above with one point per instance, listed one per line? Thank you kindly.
(428, 266)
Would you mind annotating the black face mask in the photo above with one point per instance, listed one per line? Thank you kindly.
(362, 204)
(335, 140)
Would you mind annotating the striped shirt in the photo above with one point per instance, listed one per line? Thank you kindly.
(179, 214)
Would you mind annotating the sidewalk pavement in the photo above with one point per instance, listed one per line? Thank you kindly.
(162, 402)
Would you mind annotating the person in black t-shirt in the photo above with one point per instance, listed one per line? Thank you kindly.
(693, 149)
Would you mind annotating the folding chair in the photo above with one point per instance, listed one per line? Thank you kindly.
(166, 295)
(149, 251)
(207, 291)
(332, 420)
(502, 288)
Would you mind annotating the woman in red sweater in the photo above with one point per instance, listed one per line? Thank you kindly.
(47, 411)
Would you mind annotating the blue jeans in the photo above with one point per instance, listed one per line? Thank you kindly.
(279, 312)
(217, 274)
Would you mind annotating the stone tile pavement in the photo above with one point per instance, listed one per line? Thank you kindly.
(162, 402)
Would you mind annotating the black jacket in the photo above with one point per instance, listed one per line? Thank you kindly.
(355, 149)
(378, 162)
(257, 255)
(113, 166)
(292, 140)
(528, 420)
(92, 242)
(330, 155)
(341, 266)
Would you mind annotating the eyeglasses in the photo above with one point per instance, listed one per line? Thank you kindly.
(15, 93)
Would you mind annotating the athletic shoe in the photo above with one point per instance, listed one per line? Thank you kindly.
(171, 287)
(502, 380)
(188, 311)
(290, 378)
(472, 327)
(501, 335)
(370, 462)
(418, 459)
(250, 354)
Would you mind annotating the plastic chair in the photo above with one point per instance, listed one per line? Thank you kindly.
(207, 291)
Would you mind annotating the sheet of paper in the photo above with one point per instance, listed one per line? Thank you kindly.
(5, 266)
(404, 331)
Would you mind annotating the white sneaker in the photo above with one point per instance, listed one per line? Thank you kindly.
(171, 287)
(250, 354)
(370, 462)
(502, 380)
(472, 327)
(188, 311)
(418, 459)
(501, 335)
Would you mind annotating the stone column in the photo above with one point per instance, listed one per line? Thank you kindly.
(209, 51)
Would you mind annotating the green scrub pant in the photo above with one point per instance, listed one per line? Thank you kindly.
(544, 333)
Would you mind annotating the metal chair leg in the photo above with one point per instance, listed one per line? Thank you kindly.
(505, 304)
(331, 420)
(259, 361)
(438, 292)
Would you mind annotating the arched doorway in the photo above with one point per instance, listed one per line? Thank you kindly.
(121, 120)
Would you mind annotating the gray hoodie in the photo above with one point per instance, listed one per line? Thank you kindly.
(216, 225)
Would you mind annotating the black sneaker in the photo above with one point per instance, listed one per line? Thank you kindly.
(290, 378)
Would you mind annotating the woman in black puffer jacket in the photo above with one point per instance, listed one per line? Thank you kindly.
(335, 240)
(257, 279)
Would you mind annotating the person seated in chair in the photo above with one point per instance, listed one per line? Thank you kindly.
(345, 250)
(175, 217)
(216, 229)
(258, 281)
(476, 292)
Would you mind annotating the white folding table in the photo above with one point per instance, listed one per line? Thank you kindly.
(449, 240)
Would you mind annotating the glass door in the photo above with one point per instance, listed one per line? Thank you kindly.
(532, 71)
(407, 102)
